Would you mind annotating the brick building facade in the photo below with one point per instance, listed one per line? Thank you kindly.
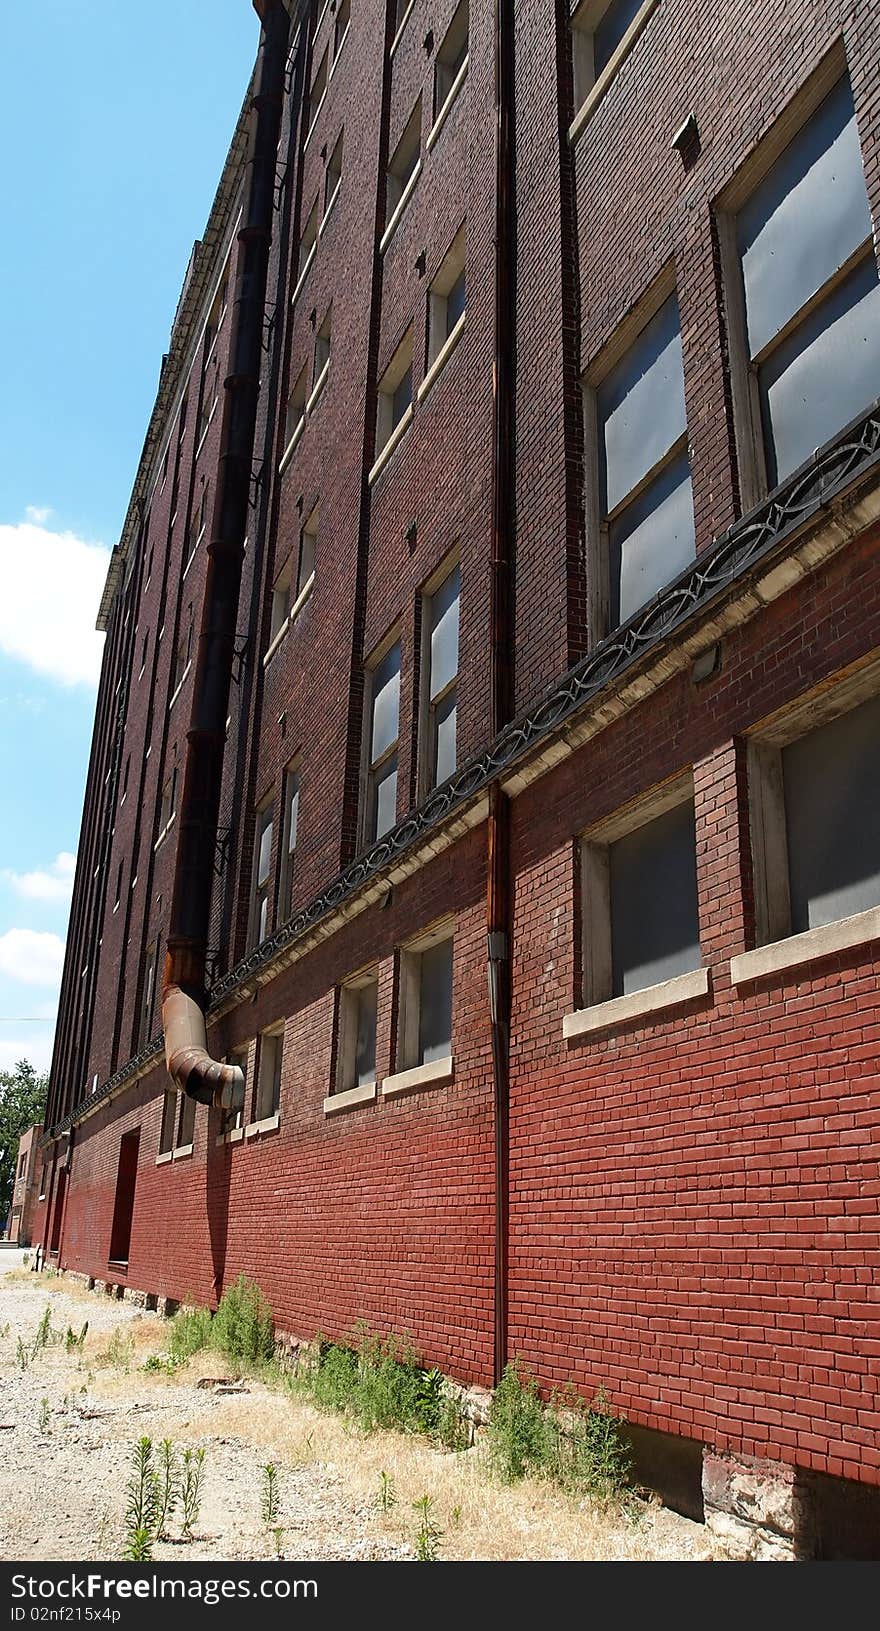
(559, 624)
(27, 1189)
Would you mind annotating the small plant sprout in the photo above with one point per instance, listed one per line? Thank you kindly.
(74, 1341)
(45, 1413)
(278, 1535)
(169, 1485)
(269, 1499)
(387, 1491)
(142, 1504)
(22, 1355)
(428, 1536)
(455, 1517)
(191, 1489)
(43, 1333)
(120, 1350)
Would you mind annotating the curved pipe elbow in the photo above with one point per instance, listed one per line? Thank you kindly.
(189, 1064)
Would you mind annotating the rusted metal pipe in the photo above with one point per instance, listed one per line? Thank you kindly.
(184, 994)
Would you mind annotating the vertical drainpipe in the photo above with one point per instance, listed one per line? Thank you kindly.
(498, 888)
(184, 996)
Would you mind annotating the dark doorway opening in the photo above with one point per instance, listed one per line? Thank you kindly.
(58, 1210)
(123, 1207)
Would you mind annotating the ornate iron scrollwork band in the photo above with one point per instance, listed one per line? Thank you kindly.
(743, 548)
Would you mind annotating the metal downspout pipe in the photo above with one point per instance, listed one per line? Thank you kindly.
(498, 892)
(184, 995)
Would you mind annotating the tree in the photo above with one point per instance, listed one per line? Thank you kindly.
(22, 1103)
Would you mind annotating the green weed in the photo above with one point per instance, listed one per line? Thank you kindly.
(377, 1380)
(142, 1504)
(428, 1536)
(191, 1489)
(387, 1491)
(120, 1350)
(190, 1332)
(269, 1496)
(580, 1447)
(243, 1327)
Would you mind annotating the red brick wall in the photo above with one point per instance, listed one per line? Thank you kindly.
(383, 1213)
(694, 1198)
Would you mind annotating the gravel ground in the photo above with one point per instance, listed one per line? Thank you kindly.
(68, 1423)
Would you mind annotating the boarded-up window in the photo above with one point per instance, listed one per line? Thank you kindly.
(602, 30)
(831, 779)
(358, 1009)
(810, 287)
(170, 1105)
(268, 1093)
(641, 918)
(381, 805)
(441, 648)
(451, 56)
(644, 474)
(435, 1003)
(404, 161)
(262, 874)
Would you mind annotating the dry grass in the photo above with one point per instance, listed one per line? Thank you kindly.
(478, 1517)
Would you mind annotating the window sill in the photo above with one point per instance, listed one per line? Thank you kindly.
(437, 127)
(441, 359)
(394, 439)
(290, 619)
(597, 91)
(320, 382)
(329, 207)
(436, 1074)
(269, 1124)
(162, 836)
(235, 1137)
(163, 1160)
(291, 447)
(845, 934)
(401, 27)
(399, 208)
(350, 1099)
(304, 273)
(179, 686)
(181, 1152)
(653, 999)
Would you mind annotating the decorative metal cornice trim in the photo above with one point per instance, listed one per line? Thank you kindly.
(742, 550)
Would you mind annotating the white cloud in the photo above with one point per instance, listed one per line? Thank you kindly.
(38, 516)
(52, 584)
(35, 1048)
(52, 884)
(32, 958)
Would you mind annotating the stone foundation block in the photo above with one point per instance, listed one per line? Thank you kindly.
(754, 1508)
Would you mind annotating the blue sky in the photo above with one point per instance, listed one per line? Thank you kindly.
(115, 119)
